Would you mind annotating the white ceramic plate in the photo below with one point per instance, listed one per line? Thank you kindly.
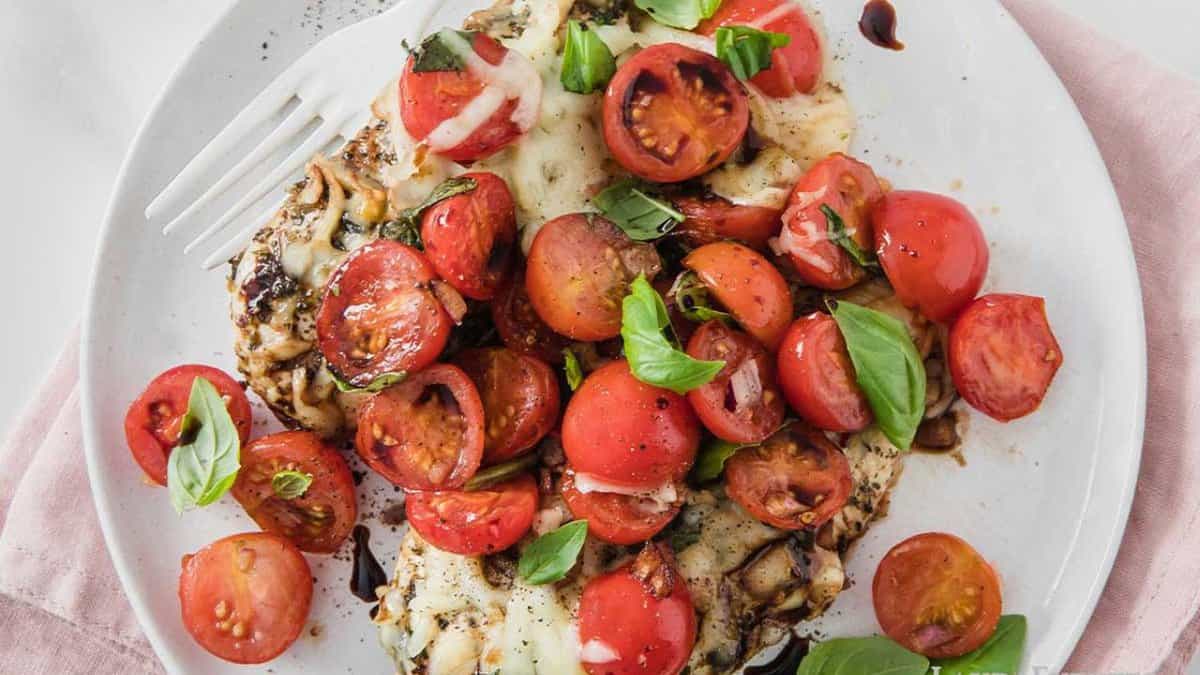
(969, 108)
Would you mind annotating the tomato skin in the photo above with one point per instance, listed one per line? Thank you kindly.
(752, 423)
(414, 436)
(748, 286)
(626, 432)
(652, 98)
(710, 219)
(469, 238)
(795, 68)
(817, 376)
(932, 251)
(480, 522)
(648, 634)
(615, 518)
(922, 581)
(153, 419)
(256, 583)
(778, 481)
(427, 99)
(579, 269)
(518, 323)
(379, 315)
(520, 400)
(1003, 355)
(848, 187)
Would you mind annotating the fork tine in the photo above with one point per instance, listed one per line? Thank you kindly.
(236, 243)
(324, 134)
(271, 100)
(294, 124)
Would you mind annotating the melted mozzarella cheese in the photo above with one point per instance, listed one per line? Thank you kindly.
(662, 497)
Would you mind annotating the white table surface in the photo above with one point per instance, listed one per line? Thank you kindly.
(77, 76)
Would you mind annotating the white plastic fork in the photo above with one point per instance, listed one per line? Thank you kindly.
(334, 82)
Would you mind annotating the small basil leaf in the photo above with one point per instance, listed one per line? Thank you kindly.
(288, 484)
(653, 358)
(631, 207)
(442, 51)
(406, 228)
(204, 467)
(378, 384)
(691, 297)
(486, 478)
(710, 461)
(686, 14)
(573, 369)
(887, 367)
(1000, 654)
(862, 656)
(553, 554)
(839, 235)
(746, 50)
(587, 63)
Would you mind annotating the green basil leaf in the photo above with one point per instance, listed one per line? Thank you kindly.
(838, 235)
(573, 369)
(691, 297)
(710, 461)
(1000, 654)
(630, 206)
(587, 63)
(406, 228)
(553, 554)
(887, 367)
(376, 385)
(862, 656)
(686, 14)
(486, 478)
(746, 50)
(203, 467)
(442, 51)
(653, 358)
(288, 484)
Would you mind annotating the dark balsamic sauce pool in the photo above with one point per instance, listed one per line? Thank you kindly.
(878, 24)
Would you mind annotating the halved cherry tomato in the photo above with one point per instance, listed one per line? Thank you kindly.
(672, 113)
(432, 103)
(520, 399)
(379, 314)
(638, 619)
(850, 189)
(320, 519)
(935, 595)
(710, 218)
(479, 522)
(153, 419)
(245, 598)
(519, 325)
(797, 479)
(742, 403)
(469, 237)
(579, 269)
(626, 432)
(818, 378)
(618, 518)
(425, 433)
(932, 250)
(748, 285)
(1003, 355)
(795, 68)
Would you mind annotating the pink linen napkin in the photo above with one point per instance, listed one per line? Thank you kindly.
(62, 609)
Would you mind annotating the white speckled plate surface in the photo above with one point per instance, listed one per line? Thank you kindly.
(969, 108)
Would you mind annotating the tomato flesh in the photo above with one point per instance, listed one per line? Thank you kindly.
(618, 518)
(479, 522)
(626, 432)
(1003, 355)
(796, 67)
(425, 433)
(932, 251)
(520, 400)
(245, 598)
(709, 219)
(317, 521)
(153, 420)
(519, 325)
(672, 113)
(935, 595)
(379, 314)
(817, 376)
(797, 479)
(469, 238)
(748, 286)
(742, 403)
